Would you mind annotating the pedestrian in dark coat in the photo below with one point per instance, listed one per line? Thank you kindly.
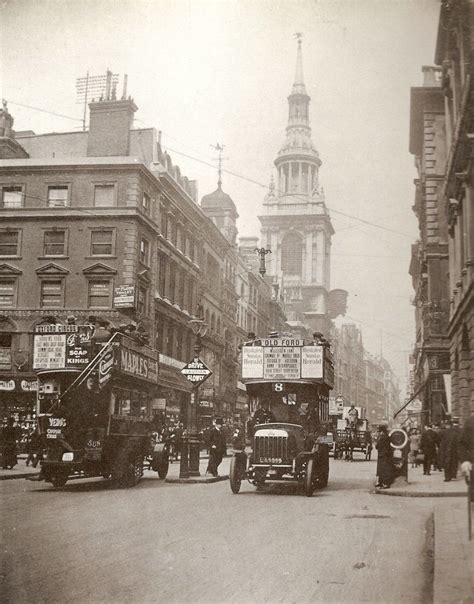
(217, 446)
(428, 442)
(9, 437)
(384, 459)
(448, 452)
(466, 446)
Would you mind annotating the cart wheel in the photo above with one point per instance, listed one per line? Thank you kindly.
(235, 475)
(309, 478)
(59, 480)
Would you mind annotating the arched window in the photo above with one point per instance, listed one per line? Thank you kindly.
(292, 254)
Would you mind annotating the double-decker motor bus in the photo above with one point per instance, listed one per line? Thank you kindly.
(288, 380)
(95, 395)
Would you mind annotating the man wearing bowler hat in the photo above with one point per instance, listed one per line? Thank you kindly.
(217, 446)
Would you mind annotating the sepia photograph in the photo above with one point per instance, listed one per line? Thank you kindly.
(236, 301)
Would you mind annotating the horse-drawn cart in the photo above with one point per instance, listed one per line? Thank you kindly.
(349, 438)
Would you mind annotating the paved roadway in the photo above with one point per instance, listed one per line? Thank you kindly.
(161, 542)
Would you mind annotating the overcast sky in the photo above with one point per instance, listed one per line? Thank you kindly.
(205, 71)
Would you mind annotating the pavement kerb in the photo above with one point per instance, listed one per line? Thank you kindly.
(399, 493)
(20, 475)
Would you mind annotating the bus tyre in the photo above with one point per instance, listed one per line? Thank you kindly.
(309, 478)
(59, 480)
(162, 468)
(323, 472)
(132, 472)
(235, 475)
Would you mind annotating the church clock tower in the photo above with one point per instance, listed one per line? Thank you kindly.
(296, 226)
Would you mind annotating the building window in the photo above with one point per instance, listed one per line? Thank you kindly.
(8, 288)
(5, 350)
(99, 293)
(104, 196)
(102, 242)
(164, 223)
(162, 262)
(172, 283)
(142, 300)
(54, 243)
(12, 197)
(146, 203)
(9, 243)
(179, 343)
(191, 248)
(292, 254)
(52, 291)
(144, 251)
(58, 196)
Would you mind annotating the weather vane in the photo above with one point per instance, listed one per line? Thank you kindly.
(219, 148)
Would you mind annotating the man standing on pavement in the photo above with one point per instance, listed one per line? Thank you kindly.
(217, 446)
(384, 459)
(466, 447)
(448, 451)
(428, 448)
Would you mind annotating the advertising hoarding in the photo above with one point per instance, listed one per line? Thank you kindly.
(280, 362)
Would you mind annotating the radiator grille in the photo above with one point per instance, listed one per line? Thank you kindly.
(271, 449)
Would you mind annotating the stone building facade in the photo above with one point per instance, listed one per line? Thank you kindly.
(429, 260)
(455, 56)
(442, 140)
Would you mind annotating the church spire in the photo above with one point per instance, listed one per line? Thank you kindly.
(298, 86)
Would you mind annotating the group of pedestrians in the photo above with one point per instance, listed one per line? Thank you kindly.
(441, 448)
(11, 436)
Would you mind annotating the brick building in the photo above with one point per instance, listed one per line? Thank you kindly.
(100, 225)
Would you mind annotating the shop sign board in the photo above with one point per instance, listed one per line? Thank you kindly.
(18, 385)
(196, 371)
(124, 296)
(137, 361)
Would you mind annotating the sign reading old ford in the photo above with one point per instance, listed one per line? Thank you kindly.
(137, 361)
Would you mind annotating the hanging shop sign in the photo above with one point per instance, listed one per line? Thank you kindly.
(124, 296)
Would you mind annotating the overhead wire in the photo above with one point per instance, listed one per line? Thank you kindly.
(238, 175)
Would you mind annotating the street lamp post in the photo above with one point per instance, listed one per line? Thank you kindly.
(189, 465)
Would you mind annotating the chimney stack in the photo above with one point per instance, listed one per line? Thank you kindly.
(110, 123)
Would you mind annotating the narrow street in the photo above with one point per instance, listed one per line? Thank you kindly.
(161, 542)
